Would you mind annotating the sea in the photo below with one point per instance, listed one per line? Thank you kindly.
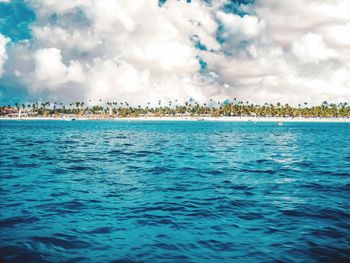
(174, 191)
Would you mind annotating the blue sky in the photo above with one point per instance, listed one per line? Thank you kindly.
(261, 51)
(15, 19)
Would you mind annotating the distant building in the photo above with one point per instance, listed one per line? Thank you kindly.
(14, 113)
(8, 112)
(27, 113)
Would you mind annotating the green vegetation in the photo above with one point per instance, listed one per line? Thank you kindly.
(213, 109)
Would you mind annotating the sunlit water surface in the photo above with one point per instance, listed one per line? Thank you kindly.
(114, 191)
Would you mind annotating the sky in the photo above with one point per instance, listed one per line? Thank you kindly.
(140, 51)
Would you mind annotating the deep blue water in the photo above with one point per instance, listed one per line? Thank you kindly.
(111, 191)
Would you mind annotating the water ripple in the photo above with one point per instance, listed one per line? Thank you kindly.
(174, 192)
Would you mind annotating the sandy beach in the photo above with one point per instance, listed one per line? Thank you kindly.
(218, 119)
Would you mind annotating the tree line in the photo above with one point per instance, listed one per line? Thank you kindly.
(190, 108)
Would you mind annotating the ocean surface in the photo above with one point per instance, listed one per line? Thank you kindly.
(118, 191)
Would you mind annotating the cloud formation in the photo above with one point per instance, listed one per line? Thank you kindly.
(140, 51)
(126, 50)
(287, 51)
(3, 55)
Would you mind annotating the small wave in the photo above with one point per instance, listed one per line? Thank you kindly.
(80, 168)
(158, 170)
(214, 172)
(217, 245)
(179, 192)
(250, 216)
(12, 221)
(103, 230)
(143, 153)
(26, 165)
(63, 243)
(9, 254)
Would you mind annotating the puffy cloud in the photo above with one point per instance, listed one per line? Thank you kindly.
(240, 28)
(338, 35)
(289, 20)
(50, 69)
(128, 50)
(288, 51)
(271, 50)
(311, 48)
(3, 55)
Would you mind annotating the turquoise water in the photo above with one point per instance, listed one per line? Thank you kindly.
(112, 191)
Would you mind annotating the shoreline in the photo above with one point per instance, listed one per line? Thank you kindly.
(209, 119)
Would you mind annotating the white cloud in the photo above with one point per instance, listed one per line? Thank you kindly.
(127, 50)
(239, 28)
(50, 69)
(311, 48)
(338, 35)
(3, 54)
(288, 20)
(288, 51)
